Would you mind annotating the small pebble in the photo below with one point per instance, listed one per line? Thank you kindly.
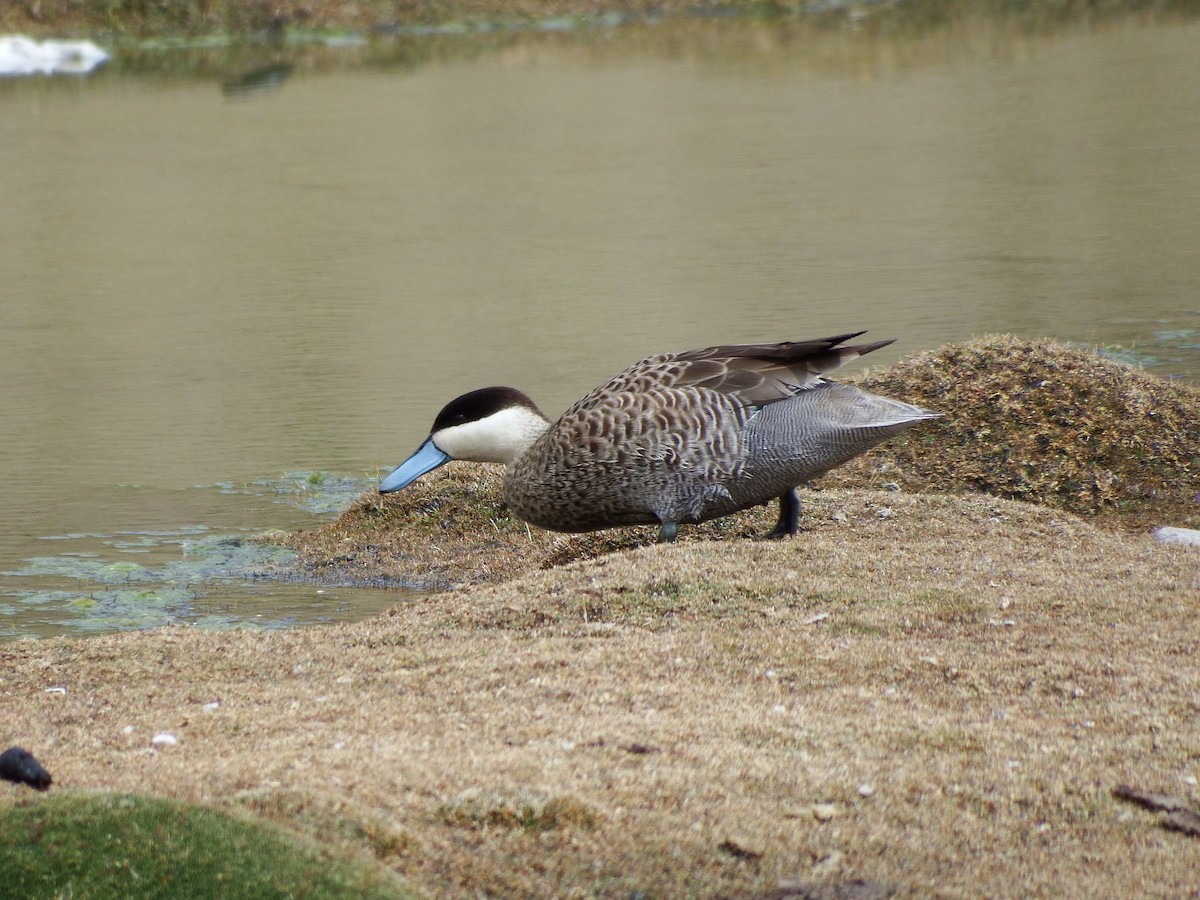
(164, 739)
(829, 862)
(1170, 535)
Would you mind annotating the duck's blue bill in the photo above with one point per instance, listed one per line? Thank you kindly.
(427, 458)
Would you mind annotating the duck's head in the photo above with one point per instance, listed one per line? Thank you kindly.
(495, 424)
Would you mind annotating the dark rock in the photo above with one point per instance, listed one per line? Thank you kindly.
(18, 764)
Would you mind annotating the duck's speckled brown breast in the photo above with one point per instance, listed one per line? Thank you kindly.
(690, 454)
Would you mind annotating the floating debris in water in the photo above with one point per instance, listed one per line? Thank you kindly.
(20, 55)
(315, 492)
(123, 595)
(1181, 338)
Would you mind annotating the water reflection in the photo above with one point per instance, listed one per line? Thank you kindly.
(260, 80)
(199, 291)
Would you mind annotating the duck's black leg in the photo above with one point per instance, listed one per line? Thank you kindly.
(789, 516)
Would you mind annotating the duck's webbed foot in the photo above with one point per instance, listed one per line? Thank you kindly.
(789, 516)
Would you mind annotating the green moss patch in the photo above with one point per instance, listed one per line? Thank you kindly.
(130, 846)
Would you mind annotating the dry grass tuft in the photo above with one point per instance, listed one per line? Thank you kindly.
(477, 811)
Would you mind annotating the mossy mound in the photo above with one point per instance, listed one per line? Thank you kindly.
(1042, 422)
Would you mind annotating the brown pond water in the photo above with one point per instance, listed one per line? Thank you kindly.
(207, 295)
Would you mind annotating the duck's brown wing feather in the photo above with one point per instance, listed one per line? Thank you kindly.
(747, 374)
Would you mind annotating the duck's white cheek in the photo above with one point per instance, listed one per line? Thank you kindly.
(498, 438)
(471, 441)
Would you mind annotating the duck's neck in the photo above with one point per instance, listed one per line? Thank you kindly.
(523, 431)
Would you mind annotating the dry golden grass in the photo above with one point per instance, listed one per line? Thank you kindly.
(937, 700)
(920, 695)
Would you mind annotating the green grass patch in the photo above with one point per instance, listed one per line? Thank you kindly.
(131, 846)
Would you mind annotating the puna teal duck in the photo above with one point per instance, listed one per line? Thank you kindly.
(676, 439)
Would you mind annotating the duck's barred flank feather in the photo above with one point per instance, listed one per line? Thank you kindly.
(687, 437)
